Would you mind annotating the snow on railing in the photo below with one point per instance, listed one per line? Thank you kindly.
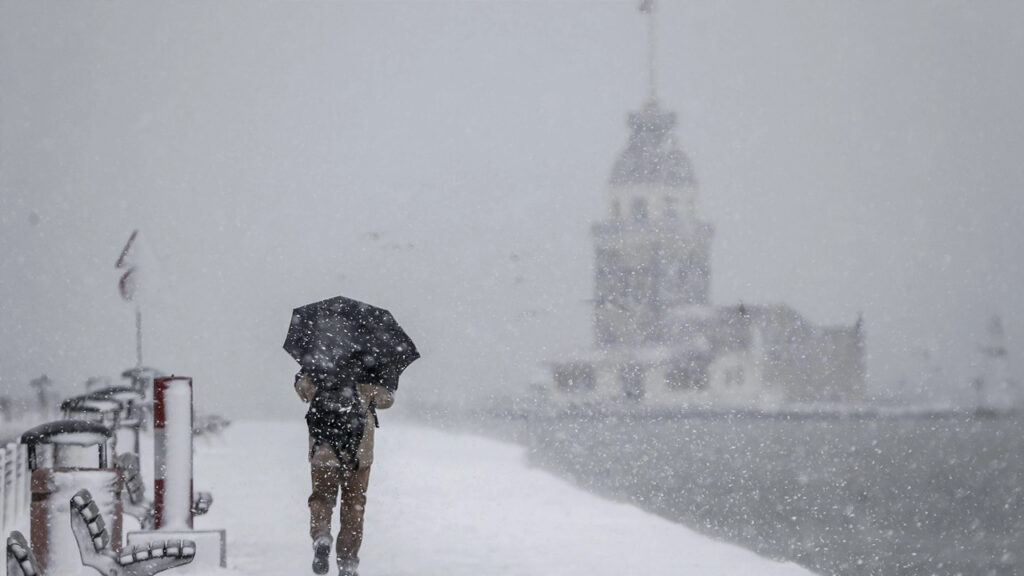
(14, 489)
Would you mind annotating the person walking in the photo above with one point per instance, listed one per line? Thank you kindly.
(351, 356)
(341, 418)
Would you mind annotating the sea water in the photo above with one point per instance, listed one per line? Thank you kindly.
(896, 495)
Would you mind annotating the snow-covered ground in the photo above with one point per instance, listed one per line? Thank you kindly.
(445, 505)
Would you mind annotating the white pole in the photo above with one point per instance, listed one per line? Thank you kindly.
(24, 484)
(138, 336)
(11, 484)
(5, 515)
(172, 428)
(652, 45)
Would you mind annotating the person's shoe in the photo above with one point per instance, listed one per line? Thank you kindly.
(321, 555)
(348, 567)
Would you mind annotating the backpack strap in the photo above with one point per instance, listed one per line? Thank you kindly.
(373, 411)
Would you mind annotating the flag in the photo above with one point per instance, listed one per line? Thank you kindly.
(128, 285)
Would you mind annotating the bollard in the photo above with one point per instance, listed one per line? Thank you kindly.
(129, 417)
(103, 411)
(172, 473)
(142, 378)
(172, 450)
(89, 409)
(64, 457)
(120, 407)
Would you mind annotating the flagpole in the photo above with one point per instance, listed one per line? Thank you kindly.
(138, 336)
(128, 285)
(652, 86)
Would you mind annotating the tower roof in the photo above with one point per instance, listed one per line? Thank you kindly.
(652, 155)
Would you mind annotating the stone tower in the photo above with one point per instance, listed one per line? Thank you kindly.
(652, 252)
(660, 344)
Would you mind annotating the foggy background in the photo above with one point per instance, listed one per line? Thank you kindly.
(446, 159)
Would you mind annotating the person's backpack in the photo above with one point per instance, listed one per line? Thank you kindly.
(336, 418)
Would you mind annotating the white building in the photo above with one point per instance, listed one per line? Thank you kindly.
(659, 343)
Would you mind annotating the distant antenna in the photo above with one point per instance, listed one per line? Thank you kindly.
(993, 387)
(648, 7)
(994, 349)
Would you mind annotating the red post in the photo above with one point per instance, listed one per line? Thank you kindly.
(172, 431)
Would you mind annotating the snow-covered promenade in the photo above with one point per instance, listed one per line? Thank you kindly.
(445, 505)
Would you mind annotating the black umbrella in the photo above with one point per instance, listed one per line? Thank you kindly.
(345, 337)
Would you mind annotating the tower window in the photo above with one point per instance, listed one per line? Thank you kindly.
(734, 376)
(632, 378)
(575, 377)
(671, 211)
(687, 374)
(639, 209)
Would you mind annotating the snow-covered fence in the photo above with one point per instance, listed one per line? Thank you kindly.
(14, 490)
(14, 486)
(11, 482)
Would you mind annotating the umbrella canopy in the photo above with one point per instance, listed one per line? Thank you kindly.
(345, 337)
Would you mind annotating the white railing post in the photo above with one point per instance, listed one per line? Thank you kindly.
(4, 513)
(10, 485)
(24, 485)
(5, 527)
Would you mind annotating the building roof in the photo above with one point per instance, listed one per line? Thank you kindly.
(652, 155)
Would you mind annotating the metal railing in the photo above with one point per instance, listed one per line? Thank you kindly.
(14, 490)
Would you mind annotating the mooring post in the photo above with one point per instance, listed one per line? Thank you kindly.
(172, 449)
(172, 478)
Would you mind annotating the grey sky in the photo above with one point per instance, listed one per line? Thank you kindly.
(445, 160)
